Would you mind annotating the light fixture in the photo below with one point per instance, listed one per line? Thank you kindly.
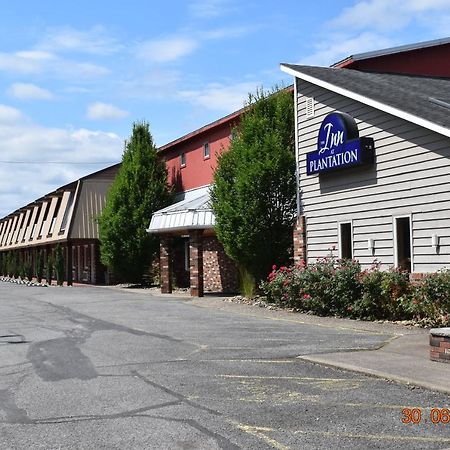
(435, 241)
(371, 245)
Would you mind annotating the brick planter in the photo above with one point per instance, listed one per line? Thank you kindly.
(440, 344)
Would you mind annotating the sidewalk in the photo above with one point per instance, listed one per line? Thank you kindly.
(404, 357)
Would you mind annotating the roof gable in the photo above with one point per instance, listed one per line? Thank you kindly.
(408, 97)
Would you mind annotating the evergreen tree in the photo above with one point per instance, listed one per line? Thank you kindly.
(39, 269)
(140, 189)
(59, 265)
(49, 269)
(254, 192)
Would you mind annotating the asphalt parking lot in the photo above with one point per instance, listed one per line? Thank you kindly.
(101, 368)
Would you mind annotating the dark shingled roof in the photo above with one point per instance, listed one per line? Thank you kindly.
(424, 97)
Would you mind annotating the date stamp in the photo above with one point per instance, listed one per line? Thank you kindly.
(415, 415)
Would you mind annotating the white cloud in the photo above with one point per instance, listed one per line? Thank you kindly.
(379, 14)
(25, 141)
(220, 97)
(387, 15)
(166, 49)
(347, 33)
(206, 9)
(29, 91)
(9, 114)
(341, 46)
(102, 111)
(23, 62)
(32, 62)
(95, 41)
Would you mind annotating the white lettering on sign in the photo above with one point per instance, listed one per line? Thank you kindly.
(332, 161)
(332, 139)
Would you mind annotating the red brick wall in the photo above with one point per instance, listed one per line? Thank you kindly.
(300, 240)
(219, 272)
(439, 348)
(198, 170)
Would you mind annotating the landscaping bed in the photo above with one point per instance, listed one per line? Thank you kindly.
(333, 287)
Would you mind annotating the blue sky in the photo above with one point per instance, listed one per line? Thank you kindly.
(75, 75)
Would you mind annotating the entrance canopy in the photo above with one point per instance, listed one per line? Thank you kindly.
(192, 213)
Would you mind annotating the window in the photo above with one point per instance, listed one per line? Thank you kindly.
(67, 212)
(47, 207)
(13, 230)
(206, 153)
(183, 159)
(33, 229)
(55, 215)
(402, 238)
(30, 214)
(345, 240)
(22, 220)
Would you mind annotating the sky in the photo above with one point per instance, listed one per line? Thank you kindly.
(74, 76)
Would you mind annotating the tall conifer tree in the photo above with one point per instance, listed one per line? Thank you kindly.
(140, 189)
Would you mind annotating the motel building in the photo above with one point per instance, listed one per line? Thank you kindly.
(66, 216)
(190, 254)
(373, 158)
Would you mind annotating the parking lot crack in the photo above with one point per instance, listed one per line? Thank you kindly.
(180, 397)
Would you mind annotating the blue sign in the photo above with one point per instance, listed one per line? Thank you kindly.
(339, 146)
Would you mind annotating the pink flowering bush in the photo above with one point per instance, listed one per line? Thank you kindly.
(339, 287)
(327, 287)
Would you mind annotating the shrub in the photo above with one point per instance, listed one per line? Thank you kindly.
(339, 287)
(330, 286)
(432, 300)
(385, 295)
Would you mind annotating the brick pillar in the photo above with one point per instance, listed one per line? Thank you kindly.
(196, 262)
(69, 264)
(165, 265)
(300, 240)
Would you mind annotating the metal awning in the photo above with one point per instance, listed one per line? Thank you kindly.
(192, 213)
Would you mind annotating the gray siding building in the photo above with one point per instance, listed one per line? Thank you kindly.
(394, 209)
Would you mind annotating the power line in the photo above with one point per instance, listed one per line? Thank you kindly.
(43, 162)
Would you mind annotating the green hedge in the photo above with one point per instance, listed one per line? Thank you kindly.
(339, 287)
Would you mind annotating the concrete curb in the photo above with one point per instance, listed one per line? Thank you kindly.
(376, 373)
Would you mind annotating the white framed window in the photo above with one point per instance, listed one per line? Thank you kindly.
(403, 249)
(206, 151)
(310, 111)
(183, 159)
(345, 244)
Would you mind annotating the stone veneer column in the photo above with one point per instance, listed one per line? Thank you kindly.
(165, 254)
(196, 262)
(300, 239)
